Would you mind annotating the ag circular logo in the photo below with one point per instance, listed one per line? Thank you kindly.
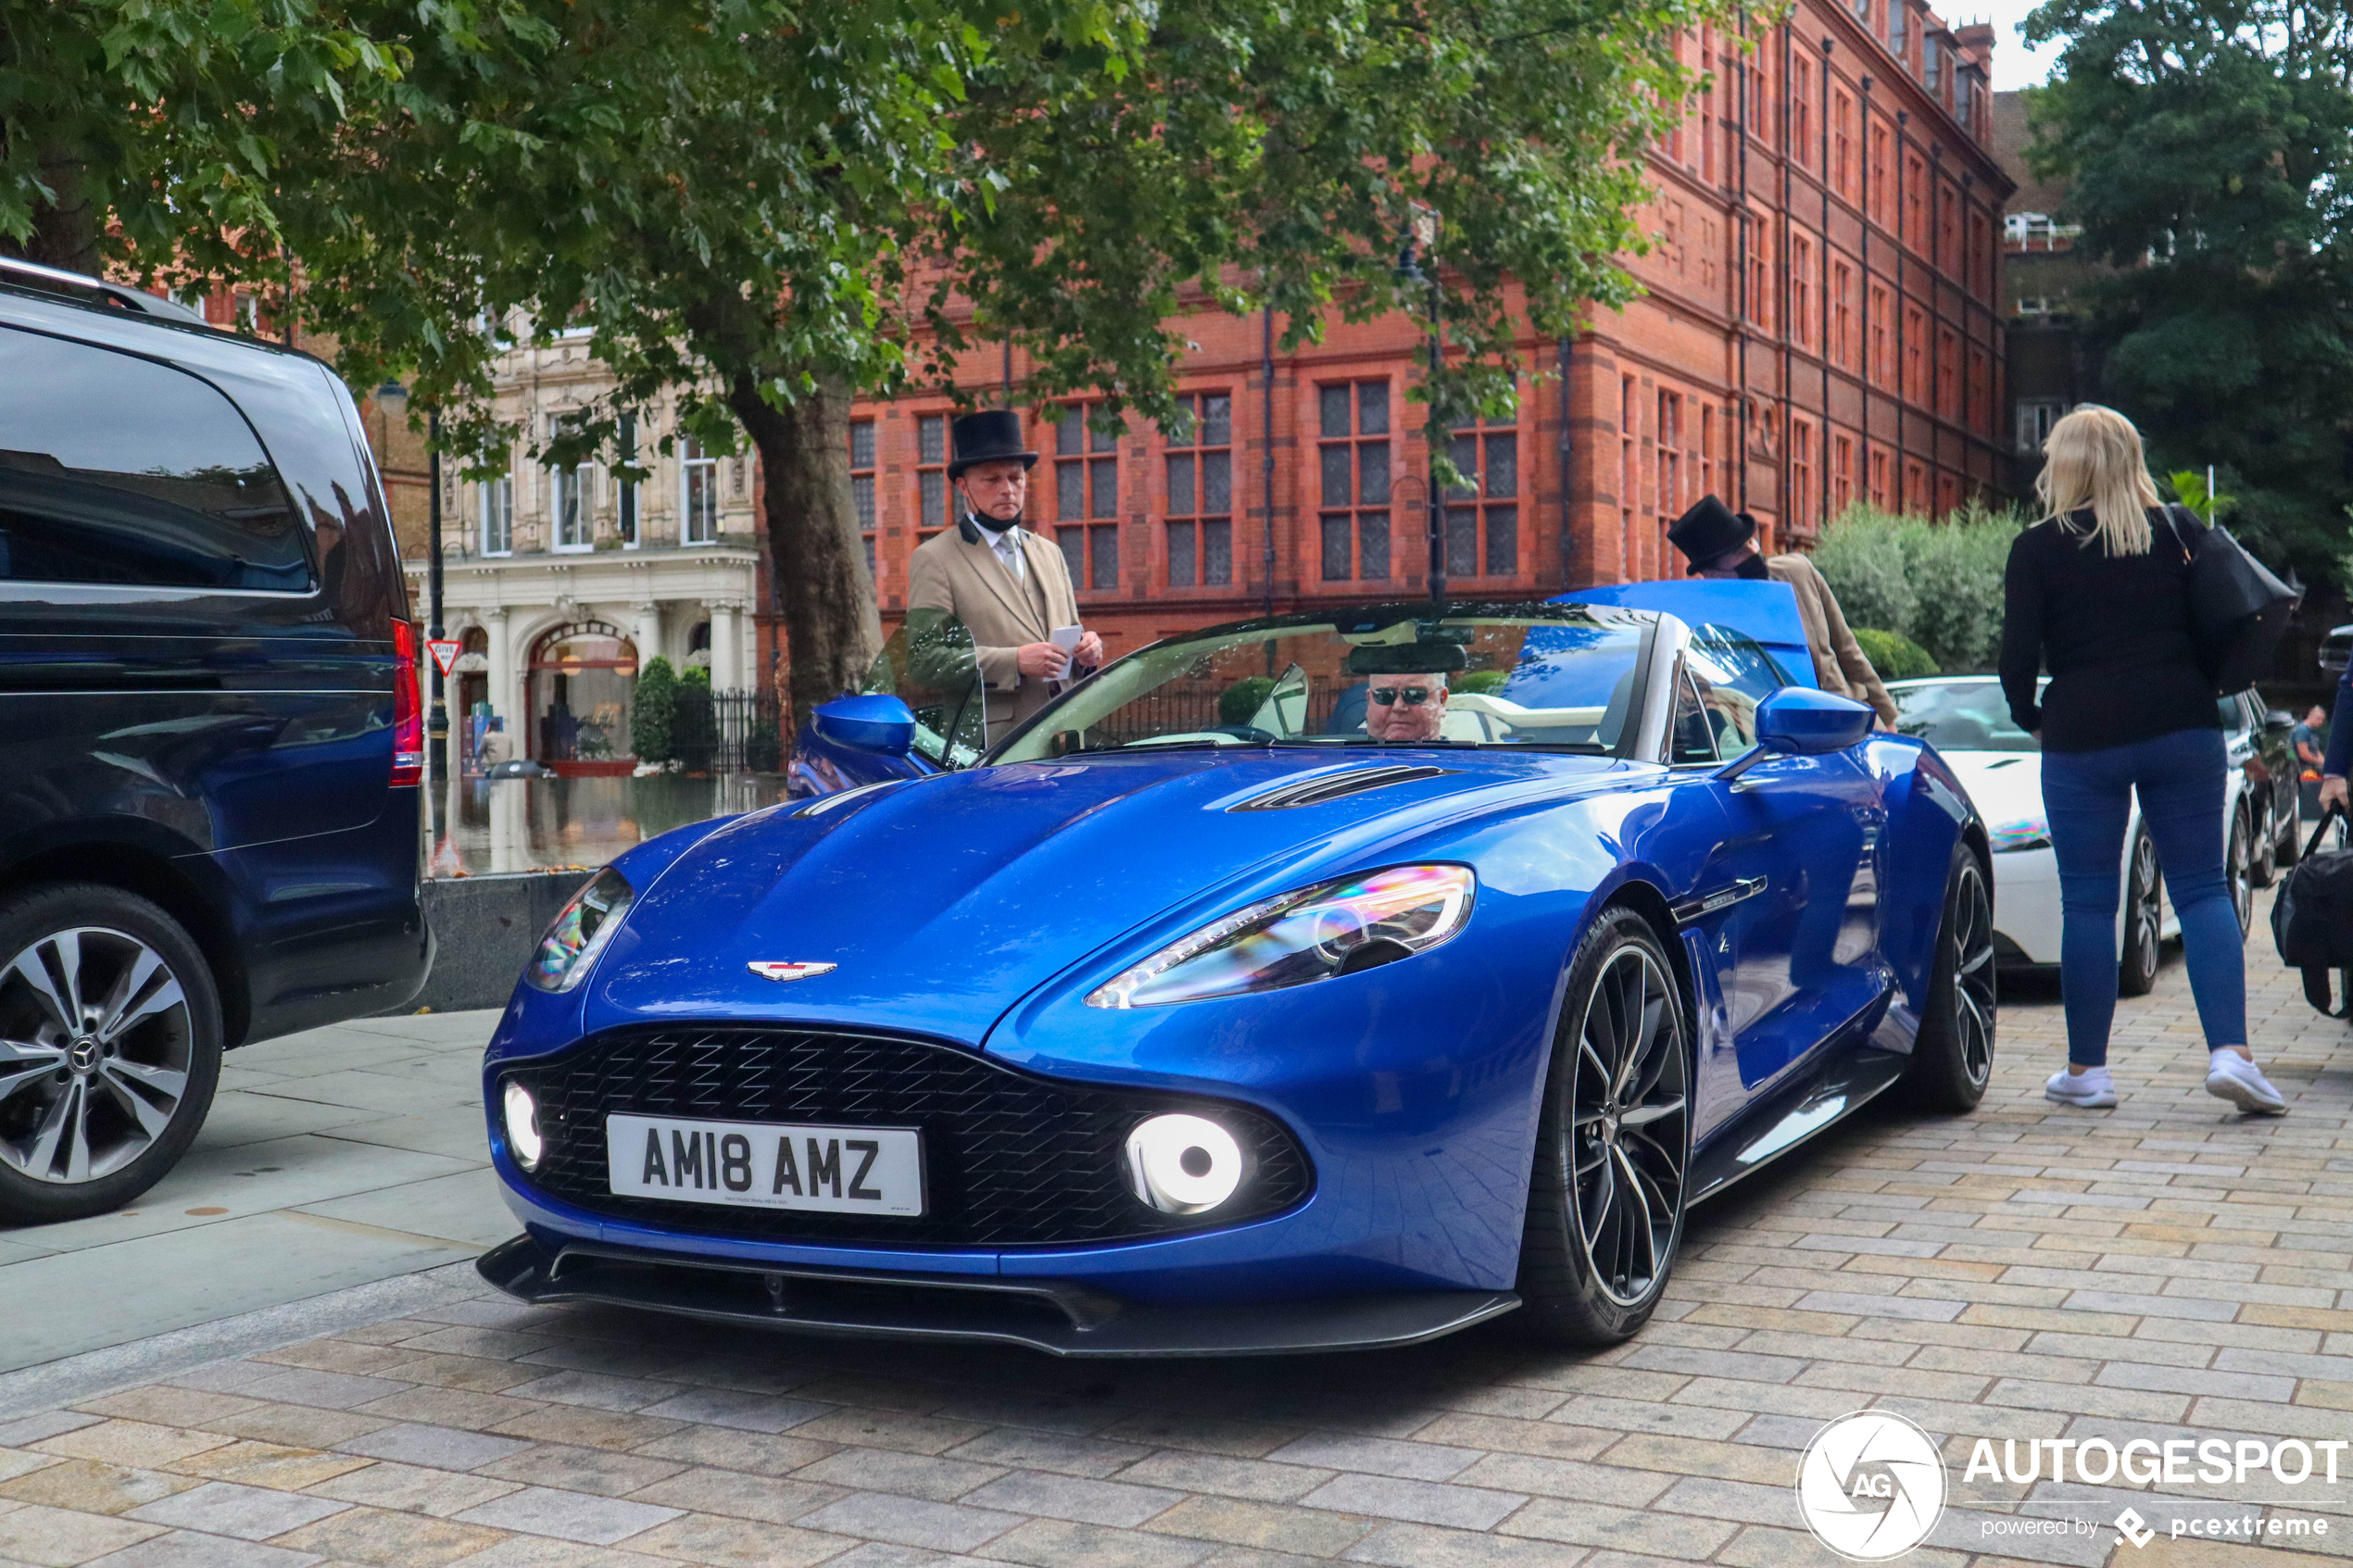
(1870, 1485)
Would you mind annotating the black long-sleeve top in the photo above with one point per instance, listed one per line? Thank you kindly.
(2114, 631)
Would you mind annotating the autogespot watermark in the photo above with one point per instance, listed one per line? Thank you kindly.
(1871, 1486)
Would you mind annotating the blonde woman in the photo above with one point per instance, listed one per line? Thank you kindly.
(2098, 593)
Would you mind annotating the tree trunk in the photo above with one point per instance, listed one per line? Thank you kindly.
(814, 546)
(65, 234)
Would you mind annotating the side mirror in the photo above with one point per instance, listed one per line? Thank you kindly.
(883, 725)
(1805, 722)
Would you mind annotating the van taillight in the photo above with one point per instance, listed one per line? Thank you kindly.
(408, 712)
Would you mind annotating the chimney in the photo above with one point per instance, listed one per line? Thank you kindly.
(1976, 40)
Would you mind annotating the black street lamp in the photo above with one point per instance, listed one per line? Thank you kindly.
(437, 720)
(1424, 234)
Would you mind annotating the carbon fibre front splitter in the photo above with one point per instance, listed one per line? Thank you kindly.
(1061, 1320)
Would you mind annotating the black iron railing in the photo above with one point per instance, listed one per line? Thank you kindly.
(727, 732)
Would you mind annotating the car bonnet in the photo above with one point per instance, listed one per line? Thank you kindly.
(941, 902)
(2007, 785)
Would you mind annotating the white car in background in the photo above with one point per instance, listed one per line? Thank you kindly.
(1967, 718)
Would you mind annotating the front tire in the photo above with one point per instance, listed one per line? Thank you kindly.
(109, 1049)
(1613, 1148)
(2144, 916)
(1953, 1054)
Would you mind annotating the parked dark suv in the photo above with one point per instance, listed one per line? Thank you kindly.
(210, 742)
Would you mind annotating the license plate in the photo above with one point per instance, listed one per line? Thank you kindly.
(766, 1164)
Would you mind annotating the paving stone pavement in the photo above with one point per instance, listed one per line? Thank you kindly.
(2163, 1270)
(332, 1157)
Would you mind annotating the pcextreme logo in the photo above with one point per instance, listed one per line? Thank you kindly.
(1870, 1487)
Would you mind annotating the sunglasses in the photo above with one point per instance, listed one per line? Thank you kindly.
(1412, 697)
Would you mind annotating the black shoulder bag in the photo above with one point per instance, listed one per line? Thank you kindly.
(2238, 609)
(2312, 918)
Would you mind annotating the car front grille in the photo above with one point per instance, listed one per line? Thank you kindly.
(1010, 1158)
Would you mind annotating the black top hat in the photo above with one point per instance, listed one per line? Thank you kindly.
(1709, 530)
(989, 436)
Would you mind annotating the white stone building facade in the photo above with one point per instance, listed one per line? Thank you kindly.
(560, 580)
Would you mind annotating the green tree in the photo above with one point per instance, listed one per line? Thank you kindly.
(1860, 554)
(154, 132)
(2207, 146)
(1238, 702)
(2189, 488)
(770, 209)
(653, 704)
(1934, 585)
(766, 208)
(694, 730)
(1893, 655)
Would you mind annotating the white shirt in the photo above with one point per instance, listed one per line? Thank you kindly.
(1006, 543)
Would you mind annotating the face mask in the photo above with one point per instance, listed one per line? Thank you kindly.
(1753, 567)
(994, 525)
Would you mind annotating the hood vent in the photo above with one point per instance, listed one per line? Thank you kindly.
(1320, 787)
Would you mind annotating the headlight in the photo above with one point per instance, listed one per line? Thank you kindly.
(2027, 833)
(523, 1125)
(580, 933)
(1335, 928)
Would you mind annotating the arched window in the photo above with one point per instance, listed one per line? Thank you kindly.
(581, 676)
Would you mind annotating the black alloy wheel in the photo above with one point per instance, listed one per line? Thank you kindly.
(1613, 1150)
(109, 1049)
(1953, 1054)
(2144, 919)
(2241, 868)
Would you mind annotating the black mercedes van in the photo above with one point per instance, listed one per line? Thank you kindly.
(211, 743)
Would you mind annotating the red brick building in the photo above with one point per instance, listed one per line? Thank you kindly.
(1822, 326)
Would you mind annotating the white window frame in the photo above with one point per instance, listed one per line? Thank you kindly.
(498, 503)
(628, 507)
(577, 484)
(2036, 418)
(693, 463)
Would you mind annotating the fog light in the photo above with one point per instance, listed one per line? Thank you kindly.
(1183, 1164)
(523, 1126)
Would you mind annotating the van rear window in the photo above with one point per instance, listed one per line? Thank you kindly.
(117, 469)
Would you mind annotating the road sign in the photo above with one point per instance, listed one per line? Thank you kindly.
(444, 652)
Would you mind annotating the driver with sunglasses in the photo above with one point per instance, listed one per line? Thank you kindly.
(1405, 709)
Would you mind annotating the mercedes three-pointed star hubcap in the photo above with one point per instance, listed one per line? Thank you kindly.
(95, 1050)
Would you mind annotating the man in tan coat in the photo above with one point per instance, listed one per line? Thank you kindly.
(1009, 587)
(1719, 542)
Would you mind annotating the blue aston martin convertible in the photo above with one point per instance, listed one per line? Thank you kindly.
(1322, 981)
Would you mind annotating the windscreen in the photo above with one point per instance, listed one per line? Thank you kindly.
(1537, 676)
(1959, 716)
(931, 665)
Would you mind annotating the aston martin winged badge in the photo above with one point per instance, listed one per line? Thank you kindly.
(772, 970)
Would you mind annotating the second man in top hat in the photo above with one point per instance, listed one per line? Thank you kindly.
(1008, 586)
(1719, 542)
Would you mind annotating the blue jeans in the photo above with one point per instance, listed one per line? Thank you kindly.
(2088, 796)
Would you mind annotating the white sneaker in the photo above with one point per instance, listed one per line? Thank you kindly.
(2090, 1088)
(2234, 1078)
